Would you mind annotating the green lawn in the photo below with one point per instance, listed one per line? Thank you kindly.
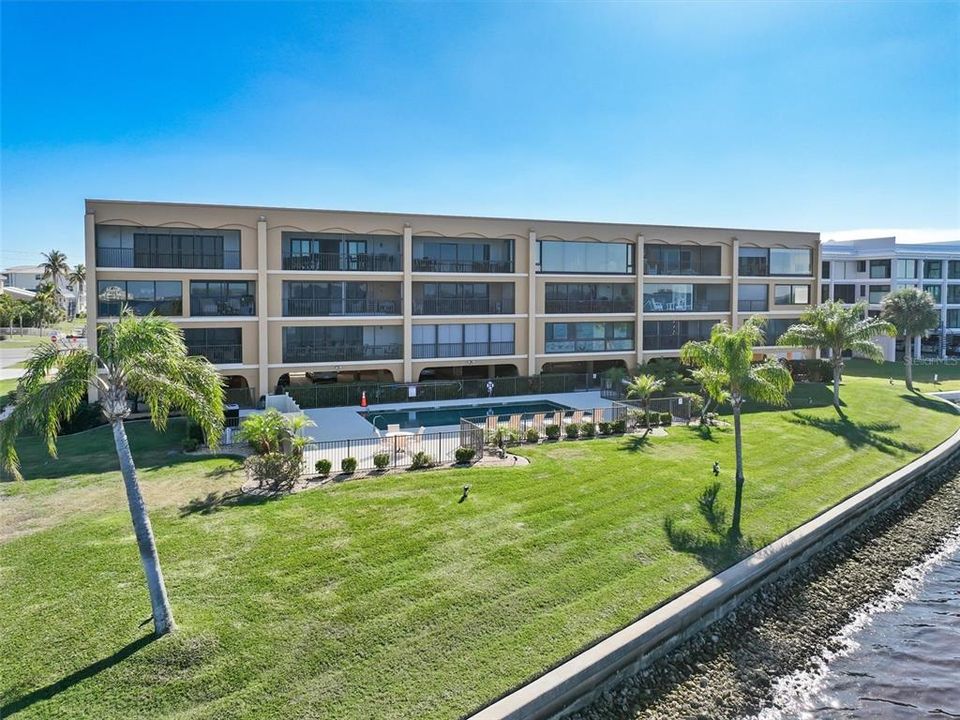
(948, 375)
(387, 597)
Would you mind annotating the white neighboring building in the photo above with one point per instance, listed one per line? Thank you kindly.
(29, 278)
(869, 269)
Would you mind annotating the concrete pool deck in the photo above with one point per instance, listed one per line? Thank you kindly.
(346, 423)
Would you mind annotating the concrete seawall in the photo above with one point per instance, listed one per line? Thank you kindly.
(577, 682)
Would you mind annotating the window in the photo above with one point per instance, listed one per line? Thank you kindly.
(791, 295)
(752, 298)
(120, 246)
(934, 291)
(824, 293)
(877, 293)
(953, 269)
(673, 334)
(681, 260)
(341, 343)
(588, 337)
(845, 293)
(559, 256)
(222, 297)
(933, 269)
(753, 262)
(953, 294)
(682, 297)
(906, 269)
(785, 261)
(463, 340)
(453, 255)
(218, 345)
(590, 297)
(879, 269)
(141, 296)
(825, 270)
(953, 318)
(776, 327)
(449, 298)
(321, 298)
(861, 266)
(341, 252)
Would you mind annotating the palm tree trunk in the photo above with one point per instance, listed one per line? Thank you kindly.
(162, 614)
(836, 381)
(738, 495)
(908, 361)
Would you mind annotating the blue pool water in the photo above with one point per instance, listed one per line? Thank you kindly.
(437, 416)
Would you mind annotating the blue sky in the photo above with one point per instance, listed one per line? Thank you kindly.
(795, 116)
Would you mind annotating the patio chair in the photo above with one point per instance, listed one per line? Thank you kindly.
(514, 423)
(577, 417)
(491, 423)
(538, 421)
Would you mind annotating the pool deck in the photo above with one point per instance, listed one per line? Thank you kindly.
(345, 423)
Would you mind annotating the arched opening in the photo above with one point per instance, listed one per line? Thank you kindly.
(332, 377)
(468, 372)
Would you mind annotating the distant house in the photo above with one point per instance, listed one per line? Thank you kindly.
(22, 282)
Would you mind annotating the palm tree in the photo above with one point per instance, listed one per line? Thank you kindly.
(142, 356)
(725, 367)
(911, 312)
(642, 387)
(78, 279)
(45, 307)
(840, 328)
(55, 269)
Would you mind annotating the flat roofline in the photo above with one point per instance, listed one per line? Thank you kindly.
(440, 215)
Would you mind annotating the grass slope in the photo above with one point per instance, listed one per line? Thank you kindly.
(387, 597)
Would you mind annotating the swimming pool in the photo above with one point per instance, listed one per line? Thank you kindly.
(440, 416)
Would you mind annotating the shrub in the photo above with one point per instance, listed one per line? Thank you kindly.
(552, 432)
(604, 428)
(274, 470)
(573, 431)
(666, 418)
(322, 467)
(508, 435)
(381, 461)
(588, 429)
(348, 465)
(618, 426)
(533, 435)
(190, 444)
(421, 460)
(86, 416)
(464, 455)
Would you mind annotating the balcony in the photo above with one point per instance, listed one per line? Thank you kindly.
(596, 306)
(463, 306)
(465, 349)
(589, 345)
(339, 262)
(218, 354)
(752, 305)
(331, 307)
(341, 353)
(130, 258)
(426, 264)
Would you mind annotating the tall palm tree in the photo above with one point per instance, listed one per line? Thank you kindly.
(840, 328)
(78, 280)
(725, 367)
(912, 312)
(55, 269)
(642, 387)
(142, 356)
(45, 306)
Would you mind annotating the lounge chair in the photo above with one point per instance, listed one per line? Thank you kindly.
(538, 421)
(577, 417)
(514, 423)
(393, 428)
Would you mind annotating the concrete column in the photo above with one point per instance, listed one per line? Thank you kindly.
(90, 260)
(638, 325)
(735, 282)
(407, 261)
(531, 303)
(263, 329)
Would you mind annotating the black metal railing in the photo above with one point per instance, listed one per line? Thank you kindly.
(399, 449)
(653, 305)
(322, 307)
(468, 266)
(462, 306)
(341, 353)
(130, 258)
(244, 397)
(218, 354)
(752, 305)
(464, 349)
(569, 346)
(346, 394)
(334, 261)
(612, 305)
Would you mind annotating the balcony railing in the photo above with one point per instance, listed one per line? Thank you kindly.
(752, 305)
(128, 258)
(341, 353)
(466, 349)
(322, 307)
(599, 345)
(218, 354)
(452, 266)
(462, 306)
(335, 262)
(652, 305)
(615, 305)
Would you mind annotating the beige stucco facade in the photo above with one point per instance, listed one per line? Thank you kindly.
(516, 287)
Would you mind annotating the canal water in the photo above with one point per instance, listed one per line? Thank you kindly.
(898, 658)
